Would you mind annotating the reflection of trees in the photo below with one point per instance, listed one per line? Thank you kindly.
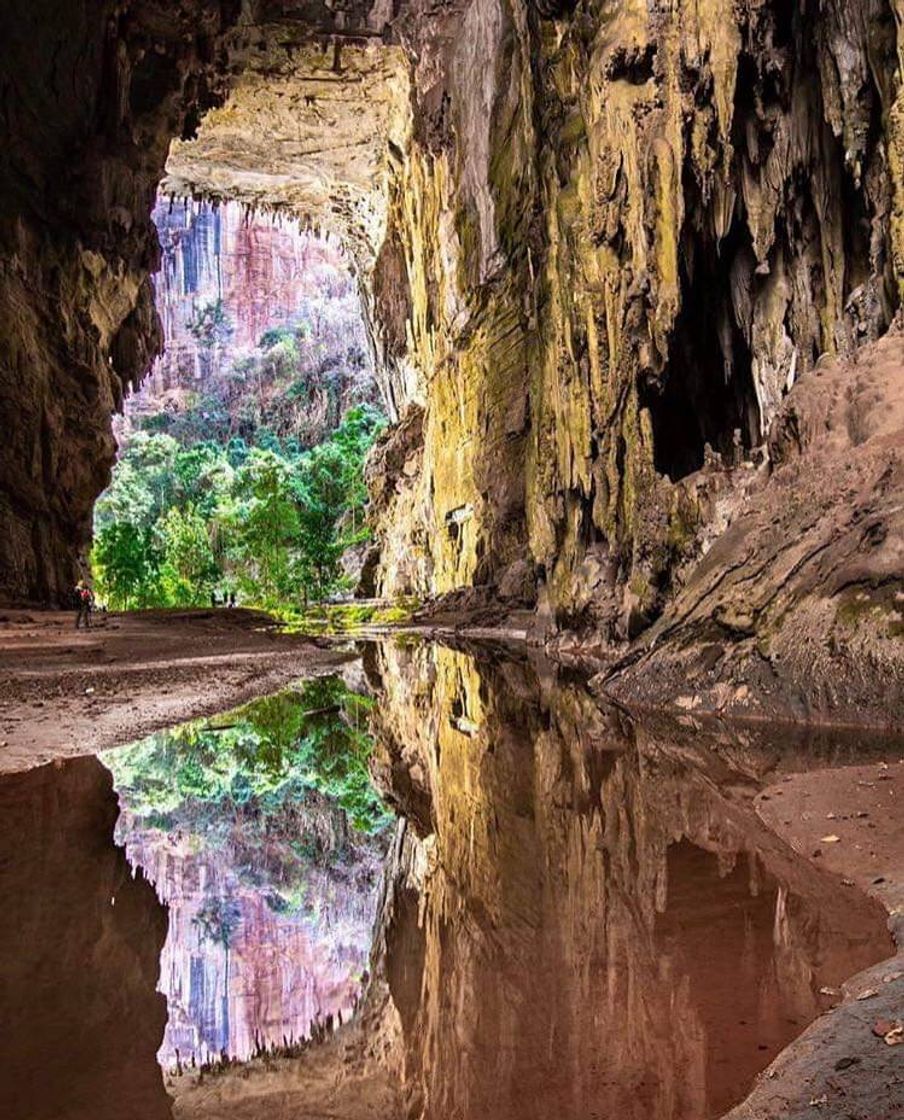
(282, 784)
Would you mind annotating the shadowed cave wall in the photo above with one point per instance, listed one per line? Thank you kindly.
(609, 237)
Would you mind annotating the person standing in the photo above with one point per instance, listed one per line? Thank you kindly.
(84, 602)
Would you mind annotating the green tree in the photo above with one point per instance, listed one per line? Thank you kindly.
(210, 324)
(320, 487)
(188, 569)
(271, 519)
(266, 525)
(126, 565)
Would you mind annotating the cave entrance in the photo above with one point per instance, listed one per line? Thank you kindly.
(266, 388)
(241, 455)
(707, 395)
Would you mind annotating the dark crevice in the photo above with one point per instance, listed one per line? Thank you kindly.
(706, 395)
(827, 242)
(632, 64)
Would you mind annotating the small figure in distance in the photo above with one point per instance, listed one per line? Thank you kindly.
(232, 598)
(84, 601)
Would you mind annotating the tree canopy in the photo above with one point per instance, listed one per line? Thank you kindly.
(268, 520)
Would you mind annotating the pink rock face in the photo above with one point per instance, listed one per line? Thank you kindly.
(226, 278)
(237, 968)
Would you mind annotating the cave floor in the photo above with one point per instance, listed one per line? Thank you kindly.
(67, 692)
(847, 820)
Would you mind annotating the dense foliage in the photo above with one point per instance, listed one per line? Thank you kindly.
(268, 521)
(312, 738)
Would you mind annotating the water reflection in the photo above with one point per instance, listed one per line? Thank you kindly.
(589, 919)
(262, 833)
(583, 915)
(80, 938)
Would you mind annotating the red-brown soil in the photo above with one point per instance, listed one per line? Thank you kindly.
(849, 820)
(65, 692)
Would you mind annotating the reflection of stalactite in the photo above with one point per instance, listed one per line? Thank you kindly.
(234, 968)
(594, 911)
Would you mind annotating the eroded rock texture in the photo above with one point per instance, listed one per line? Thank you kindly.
(596, 920)
(797, 608)
(628, 230)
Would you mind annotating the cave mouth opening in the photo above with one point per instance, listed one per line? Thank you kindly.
(274, 373)
(269, 856)
(264, 336)
(707, 397)
(240, 468)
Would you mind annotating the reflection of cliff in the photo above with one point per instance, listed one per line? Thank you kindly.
(238, 965)
(80, 937)
(604, 926)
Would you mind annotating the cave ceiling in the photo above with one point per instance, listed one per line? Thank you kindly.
(310, 127)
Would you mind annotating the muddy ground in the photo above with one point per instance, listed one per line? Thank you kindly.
(65, 692)
(849, 820)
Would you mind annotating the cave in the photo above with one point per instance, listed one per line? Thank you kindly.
(389, 132)
(708, 399)
(726, 367)
(626, 282)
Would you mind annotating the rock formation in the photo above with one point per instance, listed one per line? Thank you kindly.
(589, 891)
(232, 286)
(597, 244)
(275, 973)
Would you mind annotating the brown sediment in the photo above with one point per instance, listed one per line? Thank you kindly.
(68, 692)
(848, 820)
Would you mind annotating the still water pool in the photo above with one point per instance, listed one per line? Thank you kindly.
(545, 907)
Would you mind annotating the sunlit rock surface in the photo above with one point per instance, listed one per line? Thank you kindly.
(80, 938)
(597, 922)
(234, 288)
(266, 272)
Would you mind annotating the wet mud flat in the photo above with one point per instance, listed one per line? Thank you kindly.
(67, 692)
